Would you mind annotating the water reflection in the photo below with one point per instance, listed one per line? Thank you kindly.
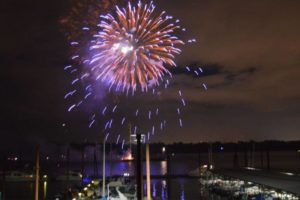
(154, 189)
(182, 192)
(159, 189)
(163, 187)
(45, 189)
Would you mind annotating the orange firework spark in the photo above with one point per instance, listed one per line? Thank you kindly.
(132, 47)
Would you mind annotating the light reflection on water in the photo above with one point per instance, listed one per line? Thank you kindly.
(154, 189)
(45, 190)
(182, 192)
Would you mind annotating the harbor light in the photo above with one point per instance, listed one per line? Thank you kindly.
(163, 149)
(288, 173)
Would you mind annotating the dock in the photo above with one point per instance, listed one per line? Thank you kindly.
(288, 182)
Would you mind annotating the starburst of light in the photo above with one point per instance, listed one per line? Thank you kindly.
(133, 47)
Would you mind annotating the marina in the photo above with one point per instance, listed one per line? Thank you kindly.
(184, 180)
(150, 100)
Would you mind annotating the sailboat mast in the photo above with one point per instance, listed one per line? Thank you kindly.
(37, 173)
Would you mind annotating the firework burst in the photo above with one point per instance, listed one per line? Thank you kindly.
(131, 51)
(132, 48)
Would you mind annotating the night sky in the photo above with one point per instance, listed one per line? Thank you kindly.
(250, 51)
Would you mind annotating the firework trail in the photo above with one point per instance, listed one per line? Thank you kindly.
(133, 50)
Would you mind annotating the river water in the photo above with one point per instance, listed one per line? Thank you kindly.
(181, 188)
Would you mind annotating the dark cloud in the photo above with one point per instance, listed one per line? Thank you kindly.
(202, 70)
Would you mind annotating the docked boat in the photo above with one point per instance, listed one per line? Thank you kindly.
(70, 176)
(199, 171)
(19, 176)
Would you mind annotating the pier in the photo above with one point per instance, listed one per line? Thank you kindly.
(284, 181)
